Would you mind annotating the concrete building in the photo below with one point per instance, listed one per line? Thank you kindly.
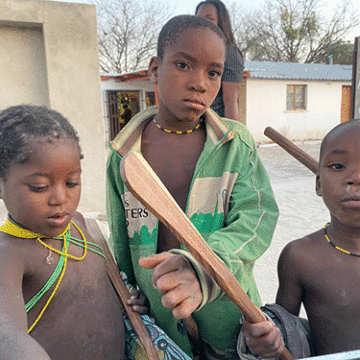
(302, 101)
(49, 56)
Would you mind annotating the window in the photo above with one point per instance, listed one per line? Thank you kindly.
(295, 97)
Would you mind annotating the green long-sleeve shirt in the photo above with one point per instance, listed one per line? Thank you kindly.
(231, 204)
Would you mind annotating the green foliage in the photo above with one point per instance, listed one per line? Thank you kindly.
(341, 52)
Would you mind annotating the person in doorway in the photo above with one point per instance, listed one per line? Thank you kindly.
(226, 103)
(211, 167)
(127, 114)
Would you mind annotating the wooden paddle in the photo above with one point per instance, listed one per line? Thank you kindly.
(146, 186)
(292, 149)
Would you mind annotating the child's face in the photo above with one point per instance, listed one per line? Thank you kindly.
(189, 75)
(338, 181)
(43, 193)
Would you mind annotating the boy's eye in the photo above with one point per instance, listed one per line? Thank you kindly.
(214, 73)
(336, 166)
(38, 188)
(72, 184)
(181, 65)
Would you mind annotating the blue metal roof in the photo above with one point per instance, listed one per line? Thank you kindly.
(297, 71)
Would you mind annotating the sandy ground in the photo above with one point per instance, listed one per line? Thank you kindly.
(301, 211)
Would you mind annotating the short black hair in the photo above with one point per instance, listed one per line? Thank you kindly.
(175, 26)
(334, 132)
(21, 124)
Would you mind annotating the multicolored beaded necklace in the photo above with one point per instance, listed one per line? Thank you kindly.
(177, 132)
(12, 228)
(335, 246)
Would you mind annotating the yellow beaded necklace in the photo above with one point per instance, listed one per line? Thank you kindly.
(177, 132)
(335, 246)
(15, 230)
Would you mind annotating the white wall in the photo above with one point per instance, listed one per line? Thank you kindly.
(49, 56)
(134, 85)
(266, 106)
(22, 80)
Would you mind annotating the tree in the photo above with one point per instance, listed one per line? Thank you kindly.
(128, 32)
(294, 31)
(341, 52)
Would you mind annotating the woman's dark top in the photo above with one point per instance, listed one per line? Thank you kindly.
(234, 66)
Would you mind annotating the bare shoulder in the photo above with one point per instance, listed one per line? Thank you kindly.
(13, 266)
(301, 251)
(89, 227)
(304, 244)
(11, 251)
(12, 261)
(79, 220)
(295, 267)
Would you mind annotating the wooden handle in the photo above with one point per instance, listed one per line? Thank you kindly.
(292, 149)
(145, 185)
(122, 291)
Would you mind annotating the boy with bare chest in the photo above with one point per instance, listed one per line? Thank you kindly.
(322, 269)
(56, 300)
(180, 154)
(212, 169)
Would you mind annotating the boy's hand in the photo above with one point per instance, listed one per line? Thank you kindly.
(138, 302)
(175, 278)
(263, 339)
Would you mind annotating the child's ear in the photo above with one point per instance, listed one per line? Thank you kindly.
(153, 69)
(318, 186)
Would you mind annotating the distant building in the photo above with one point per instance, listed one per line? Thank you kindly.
(302, 101)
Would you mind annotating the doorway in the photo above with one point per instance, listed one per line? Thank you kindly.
(122, 106)
(345, 103)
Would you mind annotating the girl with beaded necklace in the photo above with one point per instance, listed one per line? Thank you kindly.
(76, 314)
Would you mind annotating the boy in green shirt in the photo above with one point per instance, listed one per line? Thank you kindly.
(212, 169)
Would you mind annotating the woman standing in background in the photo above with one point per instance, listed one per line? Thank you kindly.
(226, 103)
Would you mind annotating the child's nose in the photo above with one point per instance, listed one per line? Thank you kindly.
(58, 196)
(198, 82)
(354, 178)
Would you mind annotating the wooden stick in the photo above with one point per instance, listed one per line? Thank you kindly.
(292, 149)
(145, 185)
(122, 291)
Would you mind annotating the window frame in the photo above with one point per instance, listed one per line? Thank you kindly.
(294, 87)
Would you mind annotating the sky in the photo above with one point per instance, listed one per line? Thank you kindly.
(188, 7)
